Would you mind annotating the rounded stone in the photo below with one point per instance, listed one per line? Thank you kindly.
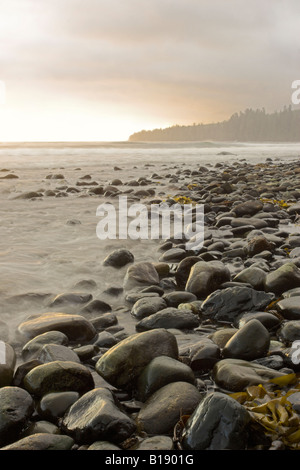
(206, 277)
(103, 445)
(163, 409)
(147, 306)
(269, 320)
(161, 371)
(140, 275)
(58, 376)
(183, 270)
(173, 299)
(284, 278)
(221, 337)
(57, 352)
(124, 362)
(218, 423)
(75, 327)
(156, 443)
(70, 298)
(169, 318)
(253, 276)
(227, 304)
(250, 342)
(119, 258)
(54, 405)
(235, 375)
(96, 416)
(38, 427)
(289, 308)
(33, 347)
(16, 407)
(204, 355)
(289, 332)
(42, 441)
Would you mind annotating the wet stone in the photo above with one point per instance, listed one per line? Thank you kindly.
(241, 344)
(206, 277)
(289, 308)
(251, 222)
(221, 337)
(269, 320)
(57, 352)
(58, 376)
(72, 298)
(22, 370)
(96, 416)
(289, 332)
(105, 340)
(273, 362)
(204, 355)
(42, 441)
(253, 276)
(161, 371)
(169, 318)
(174, 255)
(95, 306)
(284, 278)
(54, 405)
(235, 375)
(75, 327)
(44, 427)
(106, 320)
(155, 443)
(133, 354)
(33, 347)
(16, 407)
(119, 258)
(247, 208)
(163, 409)
(183, 270)
(173, 299)
(226, 305)
(291, 293)
(147, 306)
(140, 275)
(103, 445)
(218, 423)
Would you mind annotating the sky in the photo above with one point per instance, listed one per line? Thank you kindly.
(100, 70)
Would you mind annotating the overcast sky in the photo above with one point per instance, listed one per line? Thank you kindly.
(103, 69)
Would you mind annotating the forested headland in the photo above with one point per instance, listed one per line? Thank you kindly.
(247, 126)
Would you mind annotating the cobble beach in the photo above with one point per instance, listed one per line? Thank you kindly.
(124, 344)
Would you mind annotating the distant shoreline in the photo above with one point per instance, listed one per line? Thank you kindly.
(95, 144)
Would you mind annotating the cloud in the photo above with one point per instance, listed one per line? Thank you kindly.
(172, 56)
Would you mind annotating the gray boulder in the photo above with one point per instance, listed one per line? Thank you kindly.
(218, 423)
(206, 277)
(123, 363)
(96, 416)
(163, 409)
(16, 407)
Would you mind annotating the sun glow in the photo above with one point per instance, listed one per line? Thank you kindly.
(68, 124)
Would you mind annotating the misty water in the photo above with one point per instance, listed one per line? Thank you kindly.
(49, 244)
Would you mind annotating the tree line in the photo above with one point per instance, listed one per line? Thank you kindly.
(247, 126)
